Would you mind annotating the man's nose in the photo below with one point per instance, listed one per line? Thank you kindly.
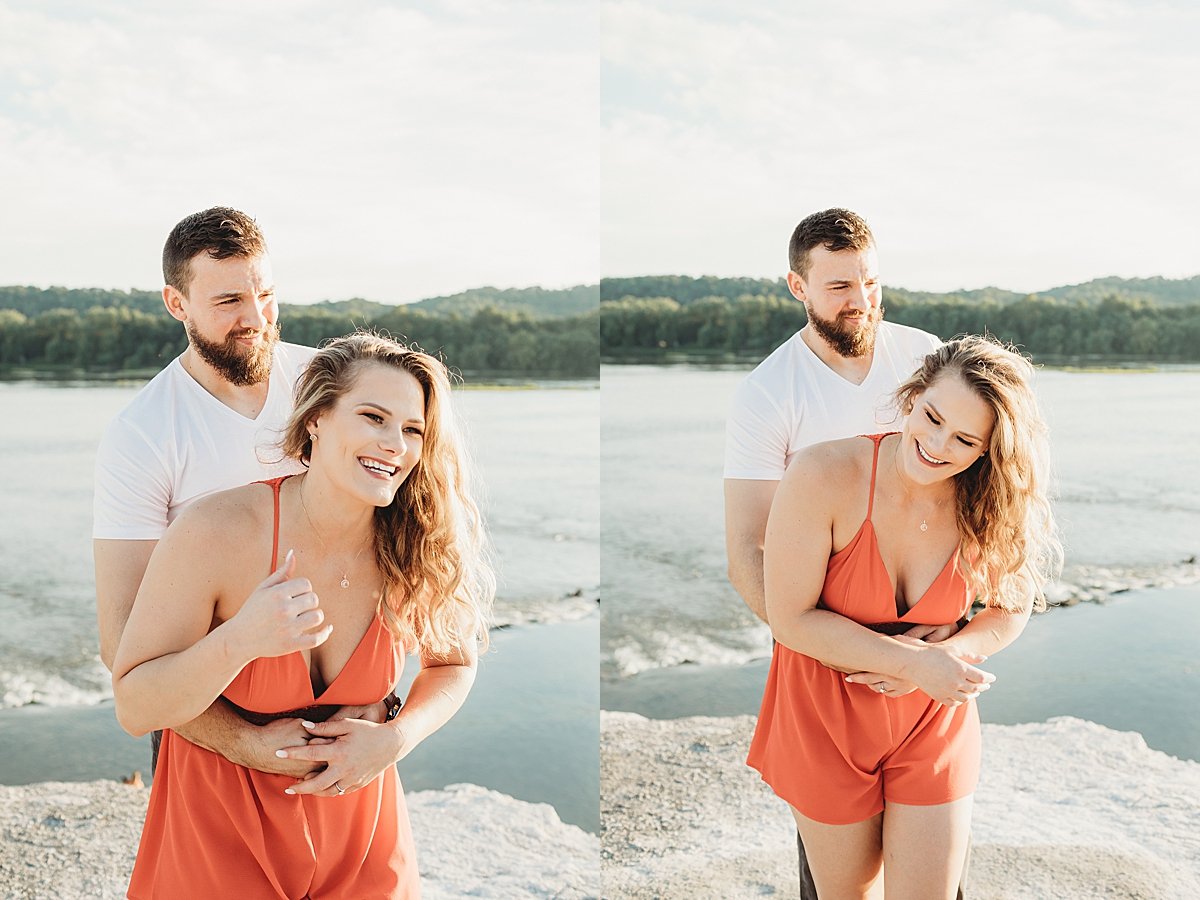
(860, 297)
(254, 317)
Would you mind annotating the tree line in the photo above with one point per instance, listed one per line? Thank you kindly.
(1114, 327)
(541, 303)
(684, 289)
(125, 337)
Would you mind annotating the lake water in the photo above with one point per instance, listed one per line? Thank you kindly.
(538, 455)
(1125, 452)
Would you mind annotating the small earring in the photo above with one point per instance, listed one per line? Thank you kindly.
(312, 435)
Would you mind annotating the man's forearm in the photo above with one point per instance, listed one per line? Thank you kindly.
(222, 731)
(746, 576)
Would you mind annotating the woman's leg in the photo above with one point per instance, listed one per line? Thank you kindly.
(844, 859)
(924, 848)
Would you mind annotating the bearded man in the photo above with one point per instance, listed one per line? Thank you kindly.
(207, 422)
(832, 379)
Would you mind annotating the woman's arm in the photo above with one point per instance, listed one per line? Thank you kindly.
(437, 693)
(991, 630)
(169, 667)
(799, 541)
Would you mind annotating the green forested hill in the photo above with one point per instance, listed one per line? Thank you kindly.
(528, 331)
(684, 290)
(31, 301)
(538, 302)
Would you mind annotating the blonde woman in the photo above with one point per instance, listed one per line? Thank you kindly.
(375, 551)
(878, 751)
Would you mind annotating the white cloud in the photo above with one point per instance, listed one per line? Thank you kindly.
(390, 150)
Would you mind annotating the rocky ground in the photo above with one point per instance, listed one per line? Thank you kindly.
(1065, 809)
(78, 840)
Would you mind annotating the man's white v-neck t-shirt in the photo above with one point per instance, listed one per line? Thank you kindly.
(793, 400)
(176, 442)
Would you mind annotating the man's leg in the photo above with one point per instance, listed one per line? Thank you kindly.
(155, 741)
(808, 890)
(962, 879)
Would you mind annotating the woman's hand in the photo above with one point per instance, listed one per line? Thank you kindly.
(281, 616)
(353, 751)
(887, 685)
(948, 674)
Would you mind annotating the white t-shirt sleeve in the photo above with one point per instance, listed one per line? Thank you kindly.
(133, 488)
(756, 436)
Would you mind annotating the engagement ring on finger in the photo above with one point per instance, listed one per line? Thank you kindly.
(882, 688)
(341, 790)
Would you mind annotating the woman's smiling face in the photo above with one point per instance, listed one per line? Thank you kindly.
(947, 430)
(373, 436)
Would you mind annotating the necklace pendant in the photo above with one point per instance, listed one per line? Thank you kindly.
(924, 527)
(345, 582)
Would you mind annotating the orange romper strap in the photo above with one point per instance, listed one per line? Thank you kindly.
(275, 484)
(878, 439)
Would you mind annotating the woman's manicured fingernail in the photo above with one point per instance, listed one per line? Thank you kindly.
(282, 753)
(308, 724)
(289, 791)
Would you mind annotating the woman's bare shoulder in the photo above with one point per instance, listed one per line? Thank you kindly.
(834, 463)
(226, 520)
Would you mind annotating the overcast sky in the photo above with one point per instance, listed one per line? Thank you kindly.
(1018, 144)
(399, 150)
(391, 150)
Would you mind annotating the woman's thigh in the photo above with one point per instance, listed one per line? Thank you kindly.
(924, 848)
(844, 859)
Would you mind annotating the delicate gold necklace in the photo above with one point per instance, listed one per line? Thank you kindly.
(345, 582)
(896, 467)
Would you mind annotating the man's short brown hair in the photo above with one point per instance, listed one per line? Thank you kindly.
(220, 232)
(834, 229)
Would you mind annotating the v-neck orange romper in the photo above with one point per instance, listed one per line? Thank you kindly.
(837, 751)
(216, 829)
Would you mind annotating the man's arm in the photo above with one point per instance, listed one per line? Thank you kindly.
(747, 505)
(120, 566)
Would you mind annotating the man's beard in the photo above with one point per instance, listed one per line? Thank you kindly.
(236, 364)
(847, 340)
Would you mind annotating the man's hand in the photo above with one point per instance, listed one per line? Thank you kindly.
(222, 731)
(375, 712)
(258, 745)
(932, 634)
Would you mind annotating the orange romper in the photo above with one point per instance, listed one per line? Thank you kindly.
(216, 829)
(837, 751)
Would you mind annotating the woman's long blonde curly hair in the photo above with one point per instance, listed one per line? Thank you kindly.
(1008, 539)
(430, 545)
